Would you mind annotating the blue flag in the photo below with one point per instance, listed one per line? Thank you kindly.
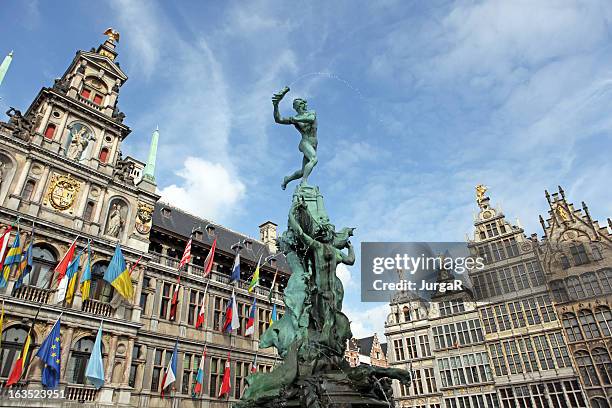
(236, 269)
(95, 366)
(50, 354)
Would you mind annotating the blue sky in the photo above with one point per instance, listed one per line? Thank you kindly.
(417, 103)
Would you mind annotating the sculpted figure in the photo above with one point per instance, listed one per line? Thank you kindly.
(115, 221)
(2, 171)
(78, 144)
(306, 123)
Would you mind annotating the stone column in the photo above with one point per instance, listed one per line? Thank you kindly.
(23, 176)
(45, 120)
(66, 346)
(40, 187)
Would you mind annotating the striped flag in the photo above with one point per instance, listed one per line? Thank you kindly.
(255, 278)
(254, 365)
(174, 301)
(86, 275)
(19, 366)
(170, 374)
(4, 243)
(250, 326)
(186, 255)
(61, 267)
(210, 258)
(232, 322)
(13, 257)
(25, 266)
(199, 385)
(236, 269)
(273, 315)
(201, 312)
(65, 289)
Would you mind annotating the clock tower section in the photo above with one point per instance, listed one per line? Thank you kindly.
(61, 160)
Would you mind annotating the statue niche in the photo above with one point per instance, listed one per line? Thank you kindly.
(117, 214)
(80, 137)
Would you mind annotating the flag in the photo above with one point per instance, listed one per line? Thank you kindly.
(19, 366)
(174, 302)
(95, 367)
(199, 385)
(186, 255)
(236, 269)
(255, 278)
(25, 266)
(1, 321)
(50, 354)
(225, 384)
(13, 257)
(86, 275)
(61, 267)
(209, 261)
(170, 374)
(273, 316)
(71, 276)
(272, 286)
(6, 235)
(201, 313)
(254, 365)
(250, 326)
(118, 276)
(232, 322)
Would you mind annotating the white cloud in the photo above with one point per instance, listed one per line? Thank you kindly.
(345, 276)
(206, 189)
(367, 321)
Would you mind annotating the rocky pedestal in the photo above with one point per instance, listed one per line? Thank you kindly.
(312, 334)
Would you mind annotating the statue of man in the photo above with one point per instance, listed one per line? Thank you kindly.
(115, 221)
(78, 144)
(306, 123)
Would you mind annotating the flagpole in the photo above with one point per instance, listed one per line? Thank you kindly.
(24, 343)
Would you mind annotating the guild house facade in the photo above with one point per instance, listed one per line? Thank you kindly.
(63, 178)
(534, 329)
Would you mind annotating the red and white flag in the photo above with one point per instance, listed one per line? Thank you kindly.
(174, 301)
(186, 255)
(208, 263)
(226, 386)
(61, 267)
(201, 313)
(4, 240)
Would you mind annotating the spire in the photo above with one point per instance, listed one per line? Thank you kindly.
(149, 171)
(5, 65)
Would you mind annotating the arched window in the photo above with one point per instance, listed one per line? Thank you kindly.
(88, 213)
(586, 368)
(79, 358)
(406, 313)
(605, 277)
(574, 288)
(50, 131)
(591, 286)
(564, 262)
(579, 254)
(572, 328)
(103, 157)
(603, 364)
(599, 402)
(12, 343)
(100, 289)
(604, 318)
(44, 261)
(589, 326)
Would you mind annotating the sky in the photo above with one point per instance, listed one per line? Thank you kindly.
(417, 102)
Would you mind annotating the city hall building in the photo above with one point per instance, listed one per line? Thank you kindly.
(534, 330)
(63, 178)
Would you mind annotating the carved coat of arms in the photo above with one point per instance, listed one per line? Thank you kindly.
(62, 192)
(143, 218)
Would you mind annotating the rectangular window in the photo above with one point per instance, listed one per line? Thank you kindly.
(157, 369)
(166, 298)
(424, 345)
(220, 304)
(511, 247)
(190, 369)
(411, 347)
(579, 254)
(497, 358)
(492, 230)
(98, 99)
(417, 383)
(546, 309)
(28, 190)
(85, 93)
(544, 352)
(195, 302)
(488, 319)
(506, 281)
(559, 349)
(516, 314)
(498, 251)
(528, 354)
(535, 273)
(243, 316)
(531, 311)
(430, 380)
(264, 319)
(520, 276)
(242, 371)
(217, 366)
(398, 346)
(512, 355)
(503, 320)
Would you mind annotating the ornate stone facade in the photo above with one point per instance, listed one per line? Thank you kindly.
(65, 178)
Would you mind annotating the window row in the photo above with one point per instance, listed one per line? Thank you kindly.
(412, 349)
(588, 325)
(489, 400)
(457, 334)
(579, 256)
(561, 394)
(450, 307)
(465, 369)
(587, 285)
(493, 229)
(520, 313)
(423, 382)
(529, 354)
(507, 280)
(214, 369)
(498, 250)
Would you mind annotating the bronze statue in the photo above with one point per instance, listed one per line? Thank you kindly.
(306, 123)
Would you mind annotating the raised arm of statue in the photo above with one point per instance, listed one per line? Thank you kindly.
(297, 229)
(276, 98)
(348, 259)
